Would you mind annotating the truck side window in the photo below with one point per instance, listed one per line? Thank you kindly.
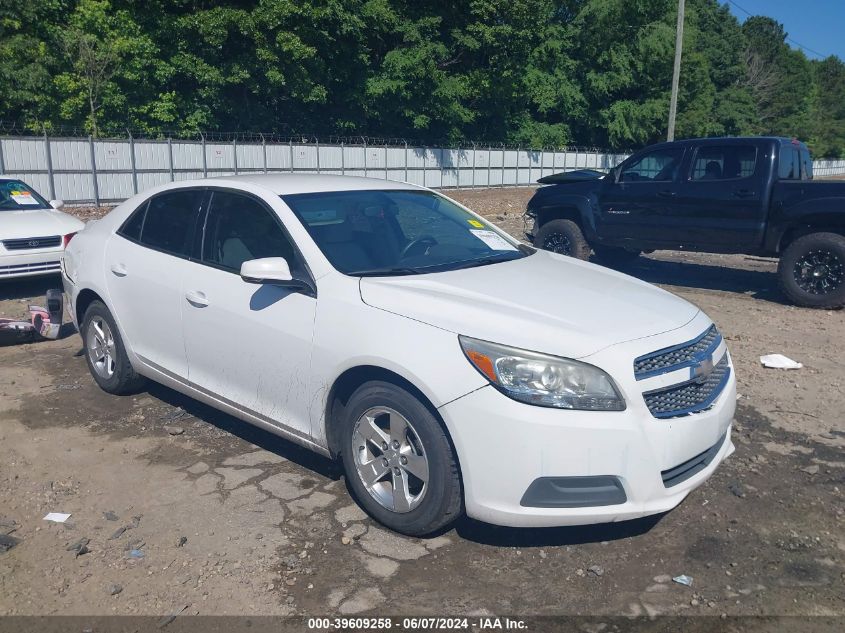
(807, 165)
(789, 167)
(724, 162)
(658, 166)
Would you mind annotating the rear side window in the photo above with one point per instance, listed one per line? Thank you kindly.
(789, 165)
(807, 165)
(168, 222)
(727, 162)
(237, 229)
(131, 229)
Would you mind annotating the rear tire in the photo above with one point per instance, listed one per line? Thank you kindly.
(564, 237)
(811, 271)
(394, 442)
(105, 353)
(614, 255)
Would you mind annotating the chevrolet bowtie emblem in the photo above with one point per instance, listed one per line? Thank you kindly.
(702, 369)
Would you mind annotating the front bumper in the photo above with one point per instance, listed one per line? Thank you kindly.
(30, 264)
(505, 446)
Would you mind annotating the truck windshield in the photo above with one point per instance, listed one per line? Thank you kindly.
(399, 232)
(16, 196)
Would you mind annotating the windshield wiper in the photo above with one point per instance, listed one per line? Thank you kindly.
(388, 272)
(484, 261)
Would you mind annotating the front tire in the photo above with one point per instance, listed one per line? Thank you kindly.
(398, 461)
(564, 237)
(811, 271)
(105, 353)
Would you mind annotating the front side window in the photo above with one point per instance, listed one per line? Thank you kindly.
(17, 196)
(658, 166)
(237, 229)
(398, 232)
(727, 162)
(168, 222)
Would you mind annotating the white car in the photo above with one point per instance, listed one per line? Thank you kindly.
(451, 368)
(33, 233)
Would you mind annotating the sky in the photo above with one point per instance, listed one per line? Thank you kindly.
(814, 24)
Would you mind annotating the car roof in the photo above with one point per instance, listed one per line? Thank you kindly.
(716, 140)
(283, 184)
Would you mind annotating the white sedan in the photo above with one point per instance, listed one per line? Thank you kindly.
(33, 233)
(451, 368)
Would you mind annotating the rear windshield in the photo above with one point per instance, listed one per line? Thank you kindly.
(16, 196)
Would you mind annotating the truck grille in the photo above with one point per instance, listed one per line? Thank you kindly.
(691, 396)
(27, 243)
(679, 356)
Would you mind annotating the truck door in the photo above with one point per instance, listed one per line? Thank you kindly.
(632, 208)
(721, 200)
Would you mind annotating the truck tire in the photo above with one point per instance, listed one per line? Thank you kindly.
(811, 271)
(613, 255)
(564, 237)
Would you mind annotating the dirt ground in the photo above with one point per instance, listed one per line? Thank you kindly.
(188, 510)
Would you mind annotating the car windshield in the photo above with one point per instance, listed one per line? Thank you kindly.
(16, 196)
(399, 232)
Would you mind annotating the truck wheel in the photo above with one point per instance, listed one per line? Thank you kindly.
(812, 271)
(563, 237)
(613, 255)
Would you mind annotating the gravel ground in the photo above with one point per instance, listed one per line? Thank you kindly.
(186, 508)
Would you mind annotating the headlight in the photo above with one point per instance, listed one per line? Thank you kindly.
(543, 380)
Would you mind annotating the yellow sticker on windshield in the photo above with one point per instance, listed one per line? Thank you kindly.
(476, 224)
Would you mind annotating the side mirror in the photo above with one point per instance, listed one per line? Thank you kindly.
(57, 204)
(266, 270)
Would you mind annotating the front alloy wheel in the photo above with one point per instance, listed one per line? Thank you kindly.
(390, 459)
(399, 462)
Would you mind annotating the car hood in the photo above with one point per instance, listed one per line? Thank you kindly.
(37, 223)
(544, 302)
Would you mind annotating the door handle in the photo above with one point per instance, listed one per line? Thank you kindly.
(119, 270)
(197, 298)
(743, 193)
(667, 193)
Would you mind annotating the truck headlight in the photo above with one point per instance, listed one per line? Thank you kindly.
(543, 380)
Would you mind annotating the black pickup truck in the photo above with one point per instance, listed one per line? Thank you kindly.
(751, 195)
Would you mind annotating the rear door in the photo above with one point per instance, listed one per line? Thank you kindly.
(248, 344)
(721, 202)
(634, 207)
(146, 260)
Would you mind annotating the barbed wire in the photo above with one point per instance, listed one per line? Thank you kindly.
(18, 129)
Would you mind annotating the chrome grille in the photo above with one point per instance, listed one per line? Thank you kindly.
(677, 357)
(22, 269)
(27, 243)
(691, 396)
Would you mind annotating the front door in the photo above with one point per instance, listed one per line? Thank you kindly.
(248, 344)
(633, 208)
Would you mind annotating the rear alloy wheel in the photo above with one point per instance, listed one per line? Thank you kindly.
(105, 354)
(398, 461)
(563, 237)
(812, 271)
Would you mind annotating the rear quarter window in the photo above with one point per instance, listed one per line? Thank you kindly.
(724, 162)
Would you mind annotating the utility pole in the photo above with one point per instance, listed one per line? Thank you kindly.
(676, 72)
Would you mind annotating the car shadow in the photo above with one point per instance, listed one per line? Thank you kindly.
(29, 288)
(244, 430)
(759, 284)
(499, 536)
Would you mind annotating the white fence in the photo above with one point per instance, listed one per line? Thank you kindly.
(85, 170)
